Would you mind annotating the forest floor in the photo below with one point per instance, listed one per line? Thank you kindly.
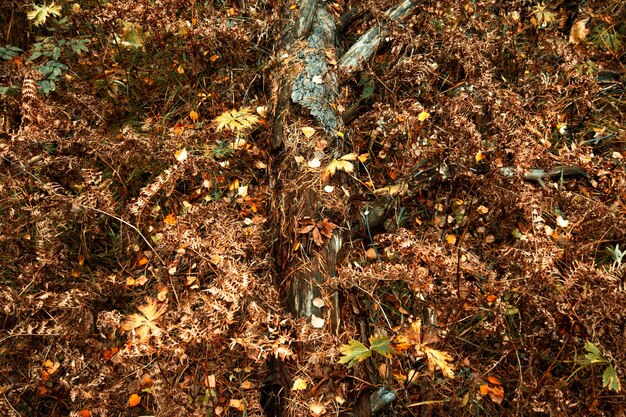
(136, 270)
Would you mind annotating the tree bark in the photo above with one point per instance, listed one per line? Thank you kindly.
(312, 228)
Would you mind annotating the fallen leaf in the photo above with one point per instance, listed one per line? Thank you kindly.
(317, 322)
(193, 115)
(317, 409)
(496, 394)
(308, 131)
(337, 165)
(392, 190)
(353, 353)
(170, 219)
(134, 400)
(381, 345)
(314, 163)
(237, 404)
(423, 116)
(181, 155)
(579, 31)
(560, 221)
(494, 380)
(299, 384)
(484, 389)
(440, 359)
(236, 120)
(145, 323)
(349, 157)
(451, 239)
(319, 302)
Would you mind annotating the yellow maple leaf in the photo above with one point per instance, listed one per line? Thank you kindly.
(441, 359)
(409, 338)
(237, 120)
(144, 324)
(337, 165)
(40, 14)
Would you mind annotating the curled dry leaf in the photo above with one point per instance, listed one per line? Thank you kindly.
(579, 31)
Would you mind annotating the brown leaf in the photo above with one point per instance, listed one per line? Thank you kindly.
(306, 225)
(326, 227)
(306, 229)
(317, 237)
(579, 31)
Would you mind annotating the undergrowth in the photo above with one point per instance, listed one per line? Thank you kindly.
(136, 271)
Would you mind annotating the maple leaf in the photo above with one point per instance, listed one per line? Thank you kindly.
(441, 359)
(381, 345)
(144, 324)
(317, 230)
(410, 338)
(353, 353)
(40, 14)
(237, 120)
(337, 165)
(413, 338)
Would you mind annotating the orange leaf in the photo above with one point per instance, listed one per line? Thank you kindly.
(170, 219)
(193, 116)
(498, 391)
(496, 394)
(84, 413)
(491, 298)
(134, 400)
(484, 389)
(214, 57)
(146, 381)
(142, 261)
(235, 403)
(494, 380)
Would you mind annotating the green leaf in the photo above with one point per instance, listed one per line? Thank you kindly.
(353, 353)
(40, 14)
(594, 355)
(381, 345)
(610, 379)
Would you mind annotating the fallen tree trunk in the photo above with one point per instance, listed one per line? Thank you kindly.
(313, 227)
